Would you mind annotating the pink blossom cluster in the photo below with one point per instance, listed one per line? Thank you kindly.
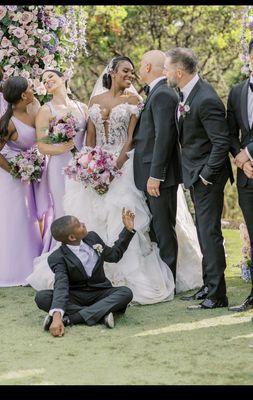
(93, 167)
(27, 165)
(31, 39)
(63, 129)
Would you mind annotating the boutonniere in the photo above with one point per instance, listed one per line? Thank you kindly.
(184, 109)
(98, 248)
(140, 107)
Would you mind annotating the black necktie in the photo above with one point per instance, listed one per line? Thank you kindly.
(181, 96)
(146, 90)
(251, 86)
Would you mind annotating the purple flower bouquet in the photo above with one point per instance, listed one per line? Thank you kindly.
(62, 130)
(93, 167)
(27, 165)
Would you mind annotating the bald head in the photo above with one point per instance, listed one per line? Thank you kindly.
(156, 58)
(152, 66)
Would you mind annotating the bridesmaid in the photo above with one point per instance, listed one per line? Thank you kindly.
(59, 154)
(20, 238)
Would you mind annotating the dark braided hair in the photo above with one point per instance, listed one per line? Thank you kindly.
(107, 79)
(12, 91)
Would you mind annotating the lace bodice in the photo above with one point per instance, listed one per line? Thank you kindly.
(118, 122)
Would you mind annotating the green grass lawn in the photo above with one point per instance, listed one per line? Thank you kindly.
(161, 344)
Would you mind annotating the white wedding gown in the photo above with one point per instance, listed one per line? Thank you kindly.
(141, 268)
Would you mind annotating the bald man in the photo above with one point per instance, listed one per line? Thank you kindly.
(157, 165)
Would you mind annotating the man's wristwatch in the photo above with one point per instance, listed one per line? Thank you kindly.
(132, 231)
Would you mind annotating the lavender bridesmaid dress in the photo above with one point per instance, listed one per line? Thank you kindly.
(20, 238)
(55, 176)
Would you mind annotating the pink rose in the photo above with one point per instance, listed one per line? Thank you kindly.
(26, 17)
(3, 11)
(12, 8)
(18, 32)
(32, 51)
(46, 38)
(5, 42)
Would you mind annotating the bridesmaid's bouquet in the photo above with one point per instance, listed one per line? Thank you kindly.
(62, 130)
(28, 165)
(93, 167)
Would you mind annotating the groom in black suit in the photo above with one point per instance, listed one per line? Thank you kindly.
(81, 290)
(205, 142)
(157, 167)
(240, 119)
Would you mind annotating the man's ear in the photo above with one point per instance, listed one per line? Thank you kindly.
(71, 237)
(148, 67)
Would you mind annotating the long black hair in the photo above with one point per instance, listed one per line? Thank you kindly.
(12, 91)
(60, 74)
(107, 79)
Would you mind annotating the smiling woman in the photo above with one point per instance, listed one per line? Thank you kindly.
(59, 153)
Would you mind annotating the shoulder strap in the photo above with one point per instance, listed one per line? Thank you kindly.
(79, 107)
(51, 107)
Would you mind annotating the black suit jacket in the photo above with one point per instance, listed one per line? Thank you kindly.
(157, 150)
(204, 136)
(69, 271)
(238, 122)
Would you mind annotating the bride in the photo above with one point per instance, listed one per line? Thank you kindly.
(113, 113)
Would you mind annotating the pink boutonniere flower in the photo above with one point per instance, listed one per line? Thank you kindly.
(184, 109)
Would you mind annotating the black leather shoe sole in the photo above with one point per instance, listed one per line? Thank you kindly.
(47, 322)
(203, 306)
(241, 308)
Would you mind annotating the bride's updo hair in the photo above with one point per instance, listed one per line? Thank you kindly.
(113, 66)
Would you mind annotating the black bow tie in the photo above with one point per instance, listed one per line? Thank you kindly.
(181, 96)
(146, 90)
(251, 86)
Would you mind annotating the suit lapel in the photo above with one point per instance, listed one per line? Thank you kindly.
(161, 82)
(193, 92)
(74, 259)
(188, 101)
(244, 105)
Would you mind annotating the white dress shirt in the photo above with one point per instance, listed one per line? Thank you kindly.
(186, 90)
(155, 81)
(88, 258)
(250, 113)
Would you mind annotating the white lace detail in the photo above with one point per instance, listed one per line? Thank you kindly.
(118, 122)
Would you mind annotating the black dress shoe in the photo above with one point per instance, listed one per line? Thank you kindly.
(109, 320)
(47, 322)
(199, 295)
(66, 321)
(209, 304)
(49, 319)
(246, 305)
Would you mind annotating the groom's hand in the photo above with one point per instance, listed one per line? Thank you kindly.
(57, 327)
(153, 187)
(128, 219)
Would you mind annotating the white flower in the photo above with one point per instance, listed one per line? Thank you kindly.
(98, 248)
(187, 108)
